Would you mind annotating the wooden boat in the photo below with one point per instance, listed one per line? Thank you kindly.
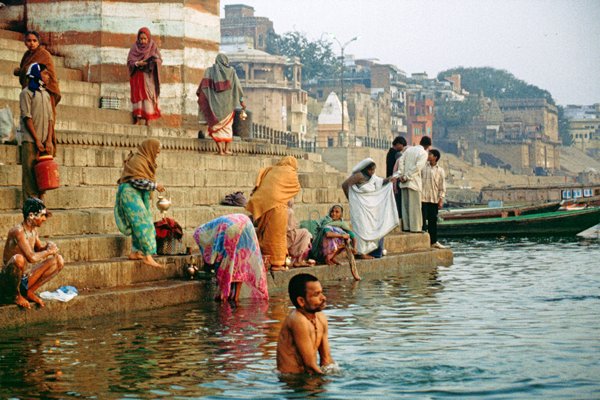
(551, 223)
(499, 212)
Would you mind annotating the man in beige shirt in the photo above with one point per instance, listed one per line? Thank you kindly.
(304, 331)
(432, 197)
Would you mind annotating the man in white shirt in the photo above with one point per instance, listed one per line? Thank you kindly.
(409, 165)
(432, 197)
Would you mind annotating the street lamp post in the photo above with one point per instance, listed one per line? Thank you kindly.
(342, 48)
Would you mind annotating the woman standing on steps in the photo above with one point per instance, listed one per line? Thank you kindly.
(37, 54)
(219, 94)
(132, 206)
(144, 62)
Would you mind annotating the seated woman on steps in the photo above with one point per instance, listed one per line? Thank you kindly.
(132, 205)
(230, 245)
(331, 237)
(298, 241)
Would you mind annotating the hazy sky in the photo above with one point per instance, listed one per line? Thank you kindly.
(553, 44)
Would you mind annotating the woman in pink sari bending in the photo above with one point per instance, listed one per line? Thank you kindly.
(144, 63)
(230, 245)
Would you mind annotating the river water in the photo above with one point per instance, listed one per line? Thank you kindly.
(515, 319)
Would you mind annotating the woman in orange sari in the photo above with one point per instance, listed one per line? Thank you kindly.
(268, 203)
(144, 63)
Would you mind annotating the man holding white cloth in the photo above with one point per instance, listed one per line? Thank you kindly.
(408, 168)
(373, 209)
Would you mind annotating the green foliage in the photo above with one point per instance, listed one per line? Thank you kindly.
(496, 84)
(563, 127)
(457, 113)
(317, 57)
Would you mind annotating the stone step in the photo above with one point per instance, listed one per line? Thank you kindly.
(77, 197)
(94, 303)
(16, 55)
(110, 150)
(12, 35)
(101, 220)
(62, 73)
(68, 99)
(67, 87)
(68, 109)
(117, 272)
(13, 44)
(157, 294)
(73, 176)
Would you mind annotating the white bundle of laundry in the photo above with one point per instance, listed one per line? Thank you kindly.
(63, 293)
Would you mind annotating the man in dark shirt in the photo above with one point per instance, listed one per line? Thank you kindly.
(393, 154)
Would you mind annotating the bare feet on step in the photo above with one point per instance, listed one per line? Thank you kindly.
(364, 257)
(22, 302)
(33, 297)
(135, 256)
(149, 261)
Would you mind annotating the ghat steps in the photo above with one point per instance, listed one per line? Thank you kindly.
(92, 144)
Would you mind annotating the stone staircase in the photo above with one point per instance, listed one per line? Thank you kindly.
(92, 143)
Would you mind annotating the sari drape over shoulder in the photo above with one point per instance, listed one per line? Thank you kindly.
(145, 80)
(41, 56)
(132, 206)
(230, 244)
(219, 93)
(275, 186)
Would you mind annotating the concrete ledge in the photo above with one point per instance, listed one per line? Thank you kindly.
(104, 302)
(370, 269)
(167, 293)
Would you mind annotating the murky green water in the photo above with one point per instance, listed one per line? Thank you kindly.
(509, 320)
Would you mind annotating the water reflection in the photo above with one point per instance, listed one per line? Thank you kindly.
(512, 318)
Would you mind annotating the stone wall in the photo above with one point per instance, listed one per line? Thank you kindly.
(343, 159)
(96, 36)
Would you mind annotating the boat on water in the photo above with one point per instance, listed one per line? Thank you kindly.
(555, 223)
(497, 212)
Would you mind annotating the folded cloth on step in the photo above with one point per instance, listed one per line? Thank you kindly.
(168, 228)
(63, 293)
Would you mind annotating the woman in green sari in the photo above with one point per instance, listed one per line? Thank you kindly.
(132, 206)
(332, 234)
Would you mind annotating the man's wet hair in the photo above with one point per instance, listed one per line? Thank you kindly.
(425, 141)
(297, 287)
(436, 154)
(399, 140)
(32, 205)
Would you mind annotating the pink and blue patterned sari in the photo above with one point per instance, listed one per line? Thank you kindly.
(231, 245)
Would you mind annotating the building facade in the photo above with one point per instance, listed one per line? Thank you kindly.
(240, 22)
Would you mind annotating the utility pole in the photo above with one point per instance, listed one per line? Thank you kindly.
(342, 48)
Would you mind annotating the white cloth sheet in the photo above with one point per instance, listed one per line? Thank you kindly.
(373, 213)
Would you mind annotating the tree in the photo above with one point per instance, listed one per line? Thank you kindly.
(563, 127)
(496, 84)
(317, 57)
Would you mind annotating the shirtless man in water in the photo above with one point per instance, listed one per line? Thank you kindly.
(304, 330)
(19, 280)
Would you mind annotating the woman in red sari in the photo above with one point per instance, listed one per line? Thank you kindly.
(144, 63)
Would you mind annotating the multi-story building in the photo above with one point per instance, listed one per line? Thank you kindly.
(584, 127)
(272, 88)
(240, 22)
(393, 80)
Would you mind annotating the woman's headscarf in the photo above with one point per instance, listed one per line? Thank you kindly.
(275, 186)
(362, 165)
(142, 164)
(220, 91)
(40, 56)
(316, 250)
